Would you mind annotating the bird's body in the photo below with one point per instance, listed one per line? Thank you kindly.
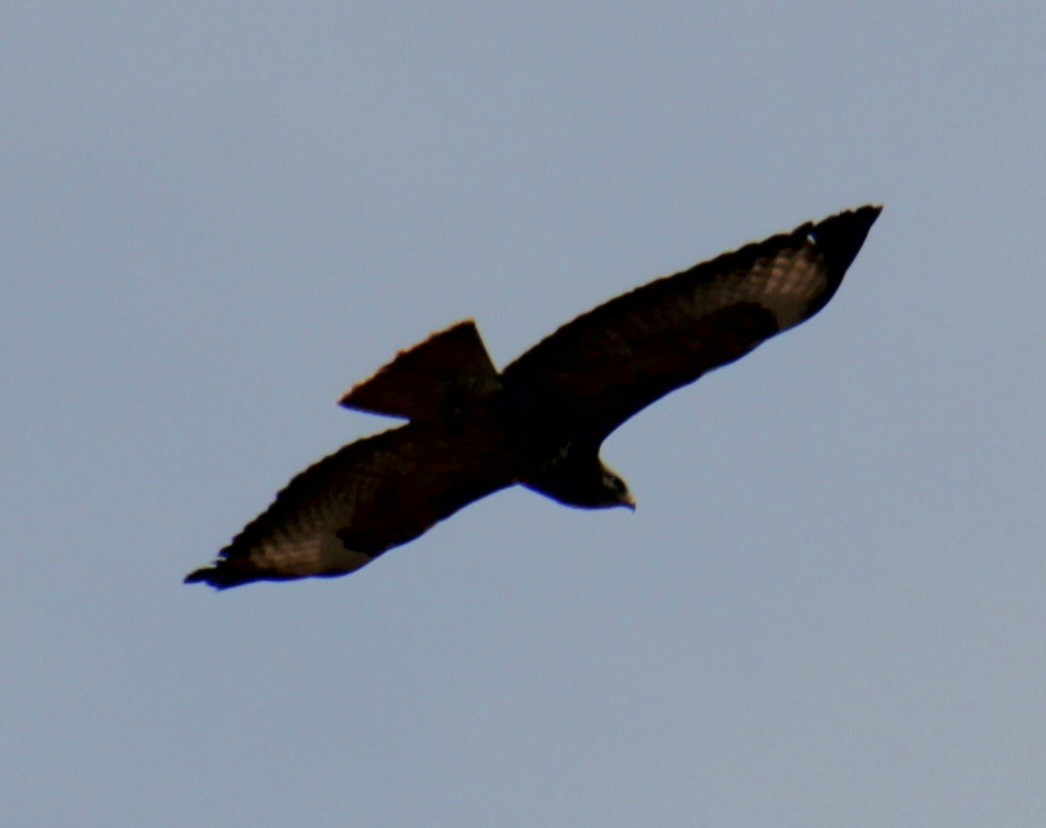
(540, 422)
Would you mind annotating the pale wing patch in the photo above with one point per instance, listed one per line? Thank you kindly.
(320, 554)
(795, 277)
(308, 543)
(783, 285)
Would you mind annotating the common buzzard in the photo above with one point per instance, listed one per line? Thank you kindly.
(539, 423)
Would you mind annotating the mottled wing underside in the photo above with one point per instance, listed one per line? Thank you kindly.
(598, 370)
(345, 510)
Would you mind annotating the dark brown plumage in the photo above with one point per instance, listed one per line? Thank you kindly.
(541, 421)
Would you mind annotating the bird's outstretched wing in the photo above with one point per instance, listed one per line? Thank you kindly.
(371, 495)
(598, 370)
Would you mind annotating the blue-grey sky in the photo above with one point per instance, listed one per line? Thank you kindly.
(830, 606)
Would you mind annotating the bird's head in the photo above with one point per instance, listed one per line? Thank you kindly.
(581, 480)
(615, 490)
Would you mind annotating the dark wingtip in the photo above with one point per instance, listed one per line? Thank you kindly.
(841, 236)
(216, 577)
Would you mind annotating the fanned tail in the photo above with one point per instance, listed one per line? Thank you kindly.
(430, 381)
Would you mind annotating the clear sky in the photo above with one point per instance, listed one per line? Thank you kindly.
(830, 606)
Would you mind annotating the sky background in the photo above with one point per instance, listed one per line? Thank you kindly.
(830, 606)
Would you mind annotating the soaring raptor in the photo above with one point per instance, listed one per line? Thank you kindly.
(539, 423)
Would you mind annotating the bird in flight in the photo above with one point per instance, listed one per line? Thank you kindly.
(539, 423)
